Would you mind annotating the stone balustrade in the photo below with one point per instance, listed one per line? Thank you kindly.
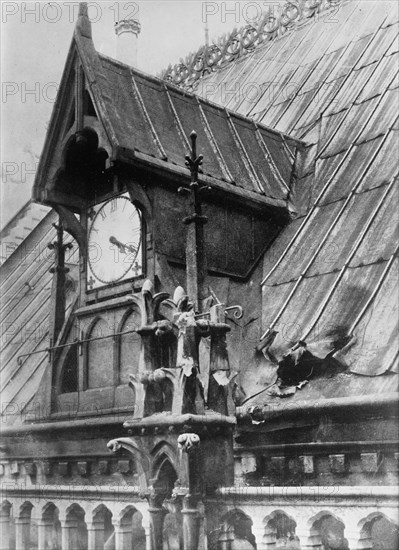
(107, 518)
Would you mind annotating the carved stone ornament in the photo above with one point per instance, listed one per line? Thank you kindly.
(188, 442)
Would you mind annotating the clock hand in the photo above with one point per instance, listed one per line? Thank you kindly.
(122, 247)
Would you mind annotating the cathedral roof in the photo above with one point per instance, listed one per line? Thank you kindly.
(330, 277)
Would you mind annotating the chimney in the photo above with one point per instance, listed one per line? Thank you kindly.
(127, 31)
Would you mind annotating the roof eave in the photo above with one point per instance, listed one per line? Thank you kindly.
(178, 175)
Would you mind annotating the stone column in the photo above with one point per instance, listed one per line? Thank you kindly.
(157, 516)
(145, 522)
(309, 539)
(22, 533)
(5, 532)
(95, 535)
(68, 534)
(355, 533)
(356, 539)
(258, 530)
(191, 523)
(44, 527)
(123, 535)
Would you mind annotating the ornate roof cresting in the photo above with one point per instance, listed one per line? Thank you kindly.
(127, 25)
(273, 23)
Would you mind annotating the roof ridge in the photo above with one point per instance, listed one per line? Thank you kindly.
(239, 42)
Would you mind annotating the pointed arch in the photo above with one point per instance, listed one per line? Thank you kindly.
(165, 478)
(104, 531)
(52, 528)
(99, 369)
(142, 461)
(5, 508)
(378, 531)
(236, 530)
(328, 529)
(48, 510)
(279, 527)
(25, 510)
(77, 528)
(129, 345)
(163, 450)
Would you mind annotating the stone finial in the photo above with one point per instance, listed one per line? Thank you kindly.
(83, 24)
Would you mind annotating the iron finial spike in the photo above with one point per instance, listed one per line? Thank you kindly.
(193, 137)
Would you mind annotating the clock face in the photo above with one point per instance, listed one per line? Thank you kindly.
(114, 242)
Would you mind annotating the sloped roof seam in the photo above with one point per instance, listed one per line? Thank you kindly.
(307, 218)
(295, 95)
(249, 58)
(19, 368)
(176, 116)
(345, 80)
(35, 350)
(321, 244)
(23, 386)
(325, 189)
(155, 136)
(18, 334)
(19, 295)
(19, 248)
(323, 148)
(269, 157)
(310, 262)
(375, 291)
(213, 143)
(8, 297)
(351, 254)
(39, 272)
(247, 161)
(284, 65)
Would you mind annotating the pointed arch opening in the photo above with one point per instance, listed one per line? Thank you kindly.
(51, 527)
(76, 527)
(280, 531)
(131, 531)
(103, 531)
(129, 345)
(236, 532)
(379, 532)
(328, 530)
(99, 360)
(165, 479)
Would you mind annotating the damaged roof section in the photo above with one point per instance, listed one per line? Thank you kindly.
(330, 278)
